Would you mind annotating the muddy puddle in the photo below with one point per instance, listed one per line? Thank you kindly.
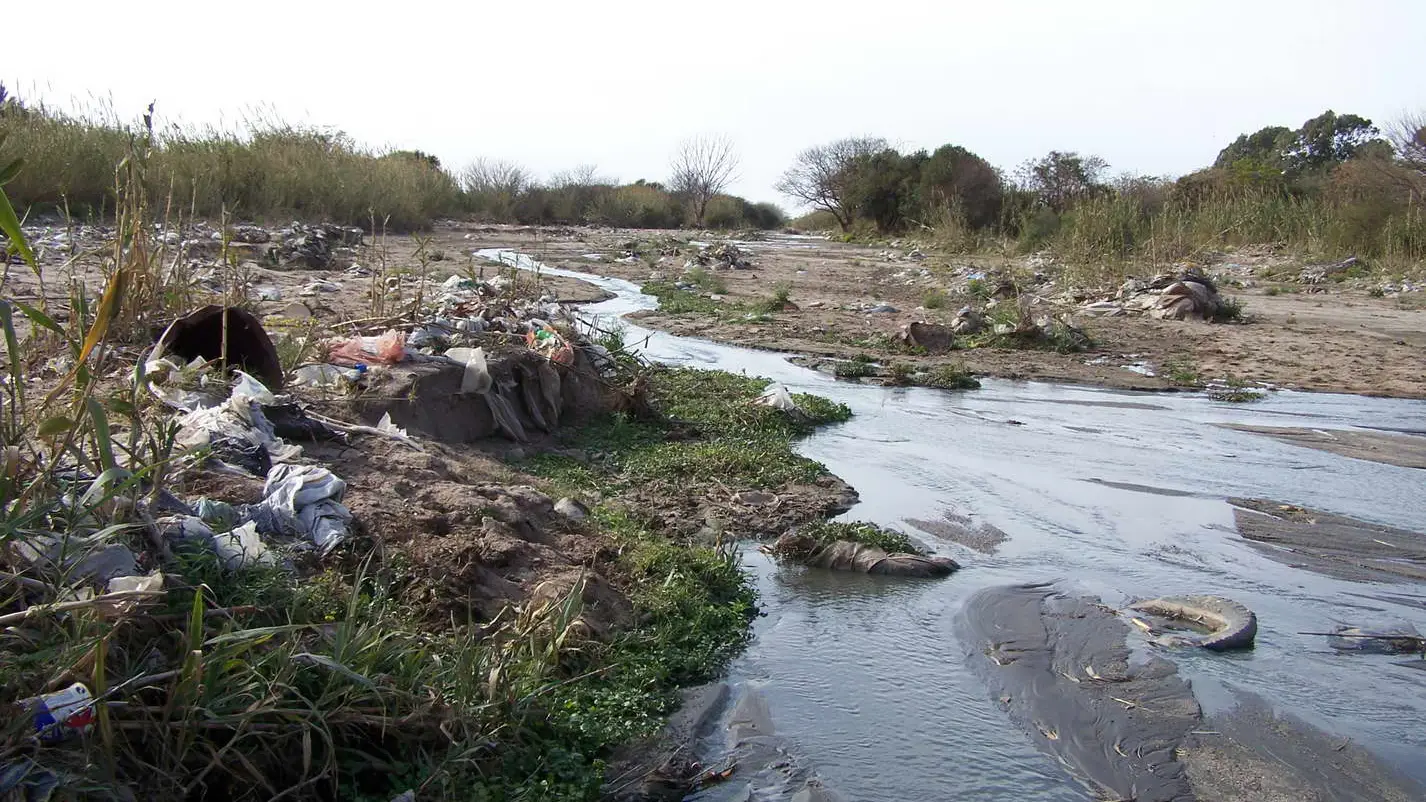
(1115, 496)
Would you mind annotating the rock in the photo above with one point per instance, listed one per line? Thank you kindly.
(933, 337)
(571, 509)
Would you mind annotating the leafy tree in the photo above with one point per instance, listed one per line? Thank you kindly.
(1328, 140)
(1060, 178)
(1265, 147)
(821, 176)
(882, 187)
(955, 176)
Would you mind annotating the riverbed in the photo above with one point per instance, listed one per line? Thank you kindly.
(1109, 494)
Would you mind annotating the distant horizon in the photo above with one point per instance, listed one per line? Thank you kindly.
(1153, 91)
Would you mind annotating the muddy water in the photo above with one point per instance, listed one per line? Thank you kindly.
(1114, 494)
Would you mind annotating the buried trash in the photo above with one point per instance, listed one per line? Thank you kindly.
(1397, 638)
(837, 554)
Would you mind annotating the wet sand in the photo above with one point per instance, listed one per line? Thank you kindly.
(1132, 729)
(1331, 544)
(1404, 450)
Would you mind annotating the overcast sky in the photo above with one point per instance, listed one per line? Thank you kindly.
(1153, 86)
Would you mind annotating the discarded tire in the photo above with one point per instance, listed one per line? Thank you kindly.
(1233, 625)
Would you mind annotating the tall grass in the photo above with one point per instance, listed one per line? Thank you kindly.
(273, 172)
(1101, 235)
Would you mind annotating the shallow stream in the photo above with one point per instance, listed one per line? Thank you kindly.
(1119, 495)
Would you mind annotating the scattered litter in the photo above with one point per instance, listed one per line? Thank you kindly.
(23, 779)
(62, 714)
(572, 509)
(237, 549)
(386, 349)
(385, 425)
(1191, 298)
(319, 376)
(220, 516)
(320, 285)
(80, 559)
(268, 293)
(777, 397)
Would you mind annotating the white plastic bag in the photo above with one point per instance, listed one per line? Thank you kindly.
(477, 372)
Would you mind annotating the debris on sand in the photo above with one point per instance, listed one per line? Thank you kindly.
(1190, 295)
(1396, 638)
(723, 256)
(933, 337)
(1193, 297)
(316, 247)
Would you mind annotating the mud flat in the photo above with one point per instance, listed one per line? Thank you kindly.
(1131, 728)
(1331, 544)
(1404, 450)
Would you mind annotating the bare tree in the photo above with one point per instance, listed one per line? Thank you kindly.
(585, 175)
(495, 176)
(702, 168)
(1408, 137)
(821, 176)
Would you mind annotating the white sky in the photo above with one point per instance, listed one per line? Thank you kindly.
(1153, 86)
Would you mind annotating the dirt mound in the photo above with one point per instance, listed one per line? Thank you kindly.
(530, 394)
(473, 544)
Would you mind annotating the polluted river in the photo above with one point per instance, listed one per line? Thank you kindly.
(877, 688)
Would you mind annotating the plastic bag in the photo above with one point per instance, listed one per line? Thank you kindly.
(305, 501)
(387, 349)
(777, 397)
(477, 373)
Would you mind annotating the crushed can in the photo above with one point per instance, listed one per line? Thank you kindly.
(62, 714)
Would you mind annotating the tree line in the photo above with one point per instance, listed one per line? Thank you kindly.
(1374, 177)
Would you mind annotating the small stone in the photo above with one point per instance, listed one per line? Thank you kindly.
(571, 509)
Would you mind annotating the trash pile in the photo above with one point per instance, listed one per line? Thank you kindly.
(311, 246)
(244, 434)
(1187, 296)
(723, 256)
(317, 247)
(471, 311)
